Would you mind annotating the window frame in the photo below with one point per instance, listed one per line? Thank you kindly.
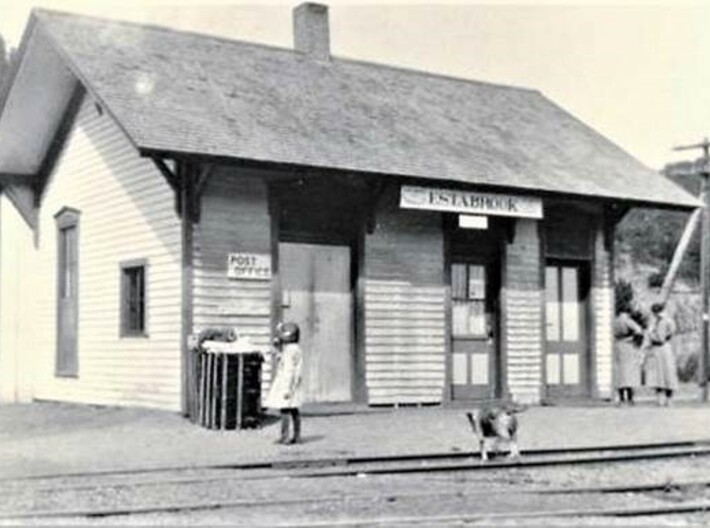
(66, 218)
(561, 301)
(468, 299)
(123, 330)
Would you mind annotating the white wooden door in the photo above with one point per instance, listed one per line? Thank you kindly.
(566, 356)
(316, 294)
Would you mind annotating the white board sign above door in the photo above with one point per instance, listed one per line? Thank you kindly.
(471, 202)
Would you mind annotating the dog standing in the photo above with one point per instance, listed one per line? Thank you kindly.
(495, 425)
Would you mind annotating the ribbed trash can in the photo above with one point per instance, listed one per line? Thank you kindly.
(226, 388)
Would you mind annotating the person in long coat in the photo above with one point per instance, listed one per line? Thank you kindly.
(660, 364)
(286, 393)
(628, 335)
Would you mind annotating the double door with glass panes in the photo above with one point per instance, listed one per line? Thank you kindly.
(566, 354)
(475, 364)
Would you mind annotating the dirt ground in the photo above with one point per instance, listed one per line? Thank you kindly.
(507, 497)
(54, 438)
(60, 439)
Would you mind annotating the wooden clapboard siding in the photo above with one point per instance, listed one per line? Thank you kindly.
(127, 212)
(404, 305)
(16, 304)
(234, 219)
(522, 313)
(603, 310)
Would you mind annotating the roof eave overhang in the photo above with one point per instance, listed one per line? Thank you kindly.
(33, 105)
(299, 170)
(16, 179)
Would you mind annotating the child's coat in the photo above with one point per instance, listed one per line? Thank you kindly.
(286, 389)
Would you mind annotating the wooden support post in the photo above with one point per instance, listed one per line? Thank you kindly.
(680, 250)
(705, 278)
(185, 174)
(187, 181)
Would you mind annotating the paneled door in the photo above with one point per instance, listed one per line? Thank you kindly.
(317, 295)
(566, 355)
(475, 362)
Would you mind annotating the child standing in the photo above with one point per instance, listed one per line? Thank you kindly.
(286, 393)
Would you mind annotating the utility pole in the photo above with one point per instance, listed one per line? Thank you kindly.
(704, 260)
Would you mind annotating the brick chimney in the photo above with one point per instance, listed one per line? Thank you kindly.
(310, 30)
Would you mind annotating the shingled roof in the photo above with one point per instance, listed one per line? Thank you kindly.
(179, 92)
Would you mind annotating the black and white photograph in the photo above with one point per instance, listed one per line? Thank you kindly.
(354, 264)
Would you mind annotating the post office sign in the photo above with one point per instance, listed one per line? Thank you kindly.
(249, 266)
(470, 202)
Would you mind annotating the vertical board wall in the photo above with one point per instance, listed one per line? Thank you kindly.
(17, 312)
(234, 219)
(404, 304)
(603, 306)
(127, 212)
(522, 313)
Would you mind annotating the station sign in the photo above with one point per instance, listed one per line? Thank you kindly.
(249, 266)
(470, 202)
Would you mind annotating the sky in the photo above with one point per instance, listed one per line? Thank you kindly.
(637, 73)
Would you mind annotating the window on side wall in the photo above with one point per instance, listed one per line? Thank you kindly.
(67, 356)
(133, 298)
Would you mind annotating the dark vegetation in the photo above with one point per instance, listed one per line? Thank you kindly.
(649, 237)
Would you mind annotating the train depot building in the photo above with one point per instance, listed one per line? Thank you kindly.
(438, 240)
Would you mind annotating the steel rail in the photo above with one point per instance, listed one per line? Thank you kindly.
(523, 462)
(634, 488)
(216, 505)
(648, 511)
(355, 460)
(669, 485)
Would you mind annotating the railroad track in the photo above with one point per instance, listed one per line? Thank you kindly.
(458, 519)
(544, 458)
(228, 476)
(529, 457)
(695, 506)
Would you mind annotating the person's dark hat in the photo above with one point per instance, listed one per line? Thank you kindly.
(288, 333)
(658, 307)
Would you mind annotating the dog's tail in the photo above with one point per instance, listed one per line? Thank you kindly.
(473, 420)
(469, 415)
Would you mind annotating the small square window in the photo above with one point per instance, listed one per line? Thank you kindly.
(133, 301)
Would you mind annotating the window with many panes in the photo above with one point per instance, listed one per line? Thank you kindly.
(468, 296)
(562, 303)
(67, 355)
(133, 298)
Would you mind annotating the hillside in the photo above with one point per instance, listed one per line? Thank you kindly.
(647, 238)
